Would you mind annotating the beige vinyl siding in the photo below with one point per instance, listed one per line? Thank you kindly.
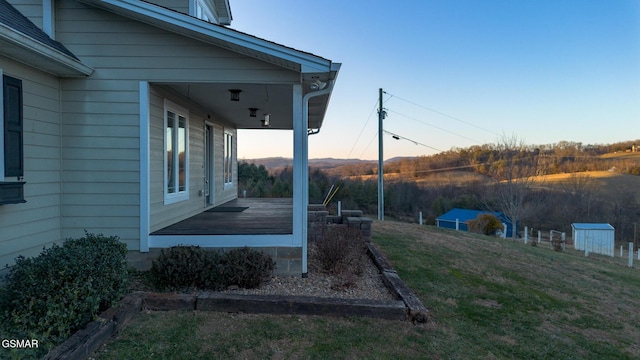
(122, 49)
(26, 228)
(101, 118)
(161, 214)
(100, 151)
(31, 9)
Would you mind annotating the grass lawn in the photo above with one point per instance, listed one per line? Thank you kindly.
(489, 298)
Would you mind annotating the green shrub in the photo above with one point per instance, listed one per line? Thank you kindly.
(50, 296)
(486, 224)
(184, 267)
(246, 268)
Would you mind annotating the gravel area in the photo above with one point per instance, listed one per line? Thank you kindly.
(368, 285)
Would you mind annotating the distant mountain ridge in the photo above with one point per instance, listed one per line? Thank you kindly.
(272, 163)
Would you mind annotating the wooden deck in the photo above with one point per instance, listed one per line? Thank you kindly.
(263, 216)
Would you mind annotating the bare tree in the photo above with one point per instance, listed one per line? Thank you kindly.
(582, 189)
(513, 169)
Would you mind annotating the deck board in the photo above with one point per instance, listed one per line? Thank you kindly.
(264, 216)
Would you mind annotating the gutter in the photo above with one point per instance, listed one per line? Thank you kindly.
(305, 104)
(305, 120)
(28, 44)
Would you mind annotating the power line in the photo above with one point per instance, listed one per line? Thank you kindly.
(436, 127)
(433, 170)
(443, 114)
(373, 108)
(369, 144)
(398, 137)
(362, 130)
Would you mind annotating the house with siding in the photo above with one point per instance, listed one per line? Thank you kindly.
(121, 117)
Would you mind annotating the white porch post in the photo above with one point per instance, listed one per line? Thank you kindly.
(144, 166)
(300, 174)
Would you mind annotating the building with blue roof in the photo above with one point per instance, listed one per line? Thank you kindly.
(463, 216)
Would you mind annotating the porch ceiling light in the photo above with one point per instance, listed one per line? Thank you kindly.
(253, 112)
(235, 94)
(318, 85)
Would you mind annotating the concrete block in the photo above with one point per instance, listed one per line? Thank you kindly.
(316, 207)
(282, 267)
(334, 219)
(289, 253)
(295, 267)
(351, 213)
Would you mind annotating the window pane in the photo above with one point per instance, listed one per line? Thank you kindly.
(228, 157)
(182, 153)
(169, 139)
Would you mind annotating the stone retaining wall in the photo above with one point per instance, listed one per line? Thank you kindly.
(318, 218)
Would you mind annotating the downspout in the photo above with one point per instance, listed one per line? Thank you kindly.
(305, 109)
(305, 121)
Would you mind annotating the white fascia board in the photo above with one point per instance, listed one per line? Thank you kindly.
(29, 45)
(201, 30)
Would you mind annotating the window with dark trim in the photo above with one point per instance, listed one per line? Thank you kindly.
(11, 184)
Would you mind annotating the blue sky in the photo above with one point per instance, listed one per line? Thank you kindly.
(459, 73)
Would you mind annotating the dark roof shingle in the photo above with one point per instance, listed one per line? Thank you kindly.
(11, 17)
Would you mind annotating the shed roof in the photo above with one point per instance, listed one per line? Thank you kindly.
(466, 214)
(592, 226)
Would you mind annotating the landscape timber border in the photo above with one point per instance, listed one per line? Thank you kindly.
(407, 307)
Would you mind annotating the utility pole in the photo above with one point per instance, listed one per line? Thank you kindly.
(381, 115)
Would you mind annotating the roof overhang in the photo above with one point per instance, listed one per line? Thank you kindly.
(223, 11)
(218, 35)
(311, 68)
(22, 48)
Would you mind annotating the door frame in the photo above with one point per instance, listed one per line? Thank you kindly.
(209, 152)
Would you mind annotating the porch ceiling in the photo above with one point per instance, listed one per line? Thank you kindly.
(274, 99)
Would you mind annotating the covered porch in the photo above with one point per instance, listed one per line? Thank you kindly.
(241, 216)
(189, 122)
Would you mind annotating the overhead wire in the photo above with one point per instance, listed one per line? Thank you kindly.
(369, 144)
(362, 130)
(436, 127)
(443, 114)
(398, 137)
(417, 120)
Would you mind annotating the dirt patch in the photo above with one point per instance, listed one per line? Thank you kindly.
(488, 303)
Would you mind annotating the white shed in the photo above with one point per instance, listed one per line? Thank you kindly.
(596, 238)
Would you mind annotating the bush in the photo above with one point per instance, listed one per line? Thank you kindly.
(184, 267)
(486, 224)
(341, 250)
(50, 296)
(246, 268)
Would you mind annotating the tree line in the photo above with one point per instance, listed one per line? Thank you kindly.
(509, 168)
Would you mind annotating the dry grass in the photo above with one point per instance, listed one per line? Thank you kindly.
(541, 303)
(489, 299)
(606, 183)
